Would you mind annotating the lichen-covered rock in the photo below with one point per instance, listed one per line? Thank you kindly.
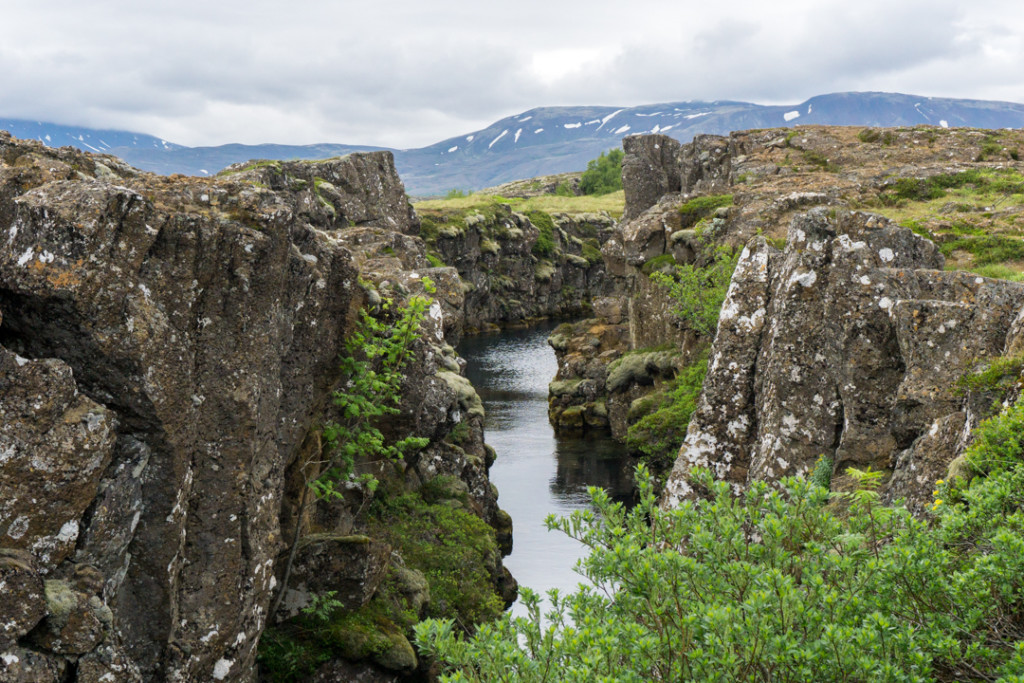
(24, 600)
(106, 664)
(22, 665)
(846, 344)
(513, 270)
(650, 170)
(353, 672)
(351, 567)
(55, 444)
(75, 623)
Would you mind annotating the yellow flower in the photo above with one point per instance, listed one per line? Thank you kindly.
(938, 502)
(939, 482)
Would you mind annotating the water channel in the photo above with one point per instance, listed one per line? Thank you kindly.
(537, 473)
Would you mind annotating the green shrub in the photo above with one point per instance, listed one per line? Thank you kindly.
(563, 190)
(869, 135)
(603, 174)
(776, 585)
(698, 292)
(456, 193)
(660, 432)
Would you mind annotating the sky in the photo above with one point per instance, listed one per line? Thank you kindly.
(408, 73)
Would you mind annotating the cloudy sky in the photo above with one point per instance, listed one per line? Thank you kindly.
(406, 73)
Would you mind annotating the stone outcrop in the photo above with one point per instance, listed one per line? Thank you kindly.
(875, 392)
(516, 267)
(167, 350)
(848, 344)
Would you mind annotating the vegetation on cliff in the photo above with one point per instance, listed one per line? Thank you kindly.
(787, 582)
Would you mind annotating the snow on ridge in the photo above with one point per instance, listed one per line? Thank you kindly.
(525, 119)
(539, 130)
(698, 115)
(621, 129)
(518, 133)
(503, 134)
(810, 108)
(790, 115)
(609, 118)
(657, 113)
(572, 125)
(453, 149)
(469, 138)
(590, 123)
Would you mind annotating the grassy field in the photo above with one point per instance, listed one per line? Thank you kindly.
(976, 217)
(613, 203)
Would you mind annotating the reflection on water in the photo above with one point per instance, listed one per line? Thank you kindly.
(537, 473)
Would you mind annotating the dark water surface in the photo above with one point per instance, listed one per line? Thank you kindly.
(536, 472)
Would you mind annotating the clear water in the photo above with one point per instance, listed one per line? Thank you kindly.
(536, 472)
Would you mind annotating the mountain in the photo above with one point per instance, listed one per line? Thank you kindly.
(104, 141)
(548, 139)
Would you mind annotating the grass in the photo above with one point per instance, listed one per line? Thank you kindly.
(975, 217)
(613, 203)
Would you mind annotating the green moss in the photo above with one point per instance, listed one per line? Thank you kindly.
(459, 434)
(545, 244)
(435, 260)
(292, 651)
(591, 251)
(996, 378)
(451, 547)
(697, 208)
(660, 262)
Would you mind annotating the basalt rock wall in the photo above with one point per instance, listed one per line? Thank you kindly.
(167, 347)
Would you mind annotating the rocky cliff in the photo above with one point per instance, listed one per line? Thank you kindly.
(842, 337)
(168, 349)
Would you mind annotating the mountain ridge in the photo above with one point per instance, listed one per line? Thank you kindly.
(546, 140)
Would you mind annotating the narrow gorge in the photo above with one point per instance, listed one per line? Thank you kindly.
(172, 349)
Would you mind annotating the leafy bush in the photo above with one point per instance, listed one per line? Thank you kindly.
(603, 174)
(659, 434)
(563, 190)
(698, 291)
(377, 352)
(776, 585)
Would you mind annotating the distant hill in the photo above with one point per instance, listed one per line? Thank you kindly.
(548, 139)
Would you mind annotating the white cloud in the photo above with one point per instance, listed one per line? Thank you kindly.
(405, 74)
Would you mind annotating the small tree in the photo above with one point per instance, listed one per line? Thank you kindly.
(376, 354)
(603, 174)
